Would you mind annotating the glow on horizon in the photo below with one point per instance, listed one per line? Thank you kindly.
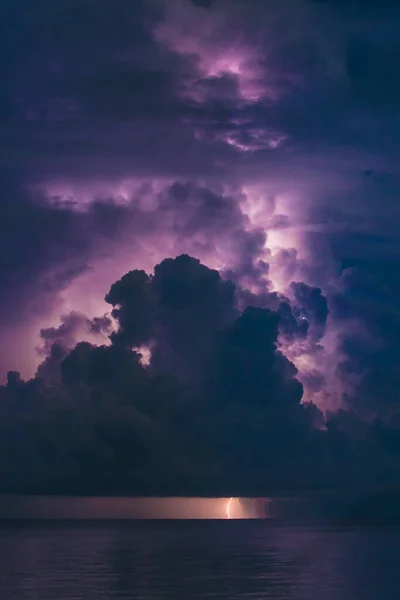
(58, 507)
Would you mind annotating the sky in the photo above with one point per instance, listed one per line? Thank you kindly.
(259, 138)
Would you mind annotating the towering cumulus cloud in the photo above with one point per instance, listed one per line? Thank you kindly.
(228, 171)
(216, 407)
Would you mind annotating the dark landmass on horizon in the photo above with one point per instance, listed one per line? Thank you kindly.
(335, 510)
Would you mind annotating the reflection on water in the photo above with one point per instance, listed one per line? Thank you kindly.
(151, 560)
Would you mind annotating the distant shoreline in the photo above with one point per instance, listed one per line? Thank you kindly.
(338, 507)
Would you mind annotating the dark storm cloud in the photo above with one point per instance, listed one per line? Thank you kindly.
(58, 341)
(65, 334)
(204, 3)
(83, 77)
(49, 370)
(229, 362)
(78, 69)
(250, 270)
(94, 91)
(43, 247)
(372, 357)
(40, 233)
(113, 426)
(114, 82)
(374, 69)
(178, 311)
(202, 209)
(363, 238)
(49, 241)
(46, 244)
(299, 95)
(385, 7)
(107, 67)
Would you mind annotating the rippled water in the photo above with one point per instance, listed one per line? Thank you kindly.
(197, 559)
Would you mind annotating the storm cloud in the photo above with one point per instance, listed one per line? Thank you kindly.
(216, 407)
(260, 139)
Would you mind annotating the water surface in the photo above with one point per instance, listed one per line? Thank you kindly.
(148, 560)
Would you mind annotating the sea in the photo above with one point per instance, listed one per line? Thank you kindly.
(182, 559)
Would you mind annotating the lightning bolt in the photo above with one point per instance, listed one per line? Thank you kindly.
(228, 507)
